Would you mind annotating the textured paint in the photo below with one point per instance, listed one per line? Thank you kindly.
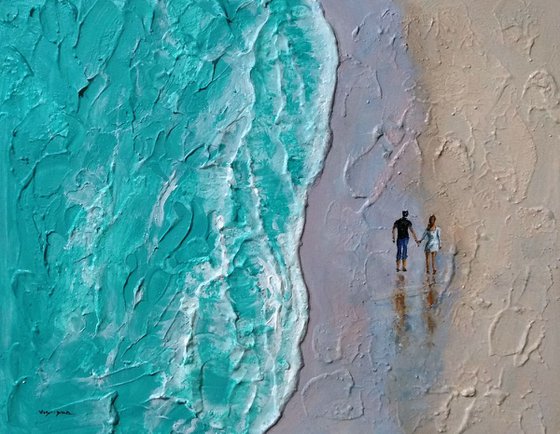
(376, 339)
(154, 166)
(477, 350)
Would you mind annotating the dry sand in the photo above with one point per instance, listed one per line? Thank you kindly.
(449, 108)
(490, 161)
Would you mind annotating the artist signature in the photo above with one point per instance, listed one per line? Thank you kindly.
(55, 412)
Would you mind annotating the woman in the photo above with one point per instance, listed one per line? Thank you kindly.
(432, 234)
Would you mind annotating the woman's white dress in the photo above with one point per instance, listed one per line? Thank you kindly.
(433, 240)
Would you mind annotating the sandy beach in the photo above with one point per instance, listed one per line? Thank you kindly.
(450, 109)
(198, 204)
(358, 352)
(490, 162)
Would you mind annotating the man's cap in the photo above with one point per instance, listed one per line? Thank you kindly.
(405, 213)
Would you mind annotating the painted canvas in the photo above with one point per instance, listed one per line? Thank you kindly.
(282, 216)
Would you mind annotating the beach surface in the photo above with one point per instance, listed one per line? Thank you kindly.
(450, 109)
(374, 338)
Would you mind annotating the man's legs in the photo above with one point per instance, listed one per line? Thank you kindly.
(402, 252)
(399, 254)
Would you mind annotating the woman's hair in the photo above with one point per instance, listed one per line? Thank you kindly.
(431, 222)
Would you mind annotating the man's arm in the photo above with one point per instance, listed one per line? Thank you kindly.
(393, 231)
(413, 234)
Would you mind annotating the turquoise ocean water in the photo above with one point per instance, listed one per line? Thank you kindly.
(155, 159)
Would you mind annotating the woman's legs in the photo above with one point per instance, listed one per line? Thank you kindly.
(427, 262)
(434, 262)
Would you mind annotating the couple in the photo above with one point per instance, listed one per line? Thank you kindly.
(432, 235)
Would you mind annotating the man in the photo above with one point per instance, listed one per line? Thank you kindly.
(402, 226)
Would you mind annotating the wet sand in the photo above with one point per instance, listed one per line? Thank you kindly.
(450, 109)
(375, 337)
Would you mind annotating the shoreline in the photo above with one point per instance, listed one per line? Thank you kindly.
(453, 110)
(370, 174)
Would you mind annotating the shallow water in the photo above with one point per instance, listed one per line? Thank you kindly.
(155, 178)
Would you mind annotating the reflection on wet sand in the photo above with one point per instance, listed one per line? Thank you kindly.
(399, 302)
(419, 315)
(431, 298)
(417, 322)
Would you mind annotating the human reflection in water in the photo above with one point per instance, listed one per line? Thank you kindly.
(430, 301)
(399, 301)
